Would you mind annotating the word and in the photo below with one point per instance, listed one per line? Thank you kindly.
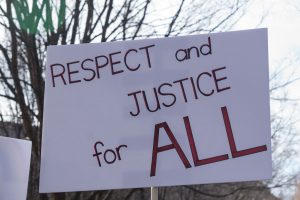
(197, 162)
(186, 54)
(109, 155)
(89, 68)
(165, 96)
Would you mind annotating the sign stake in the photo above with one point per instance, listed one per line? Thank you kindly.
(154, 193)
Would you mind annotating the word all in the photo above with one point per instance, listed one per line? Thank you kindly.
(197, 162)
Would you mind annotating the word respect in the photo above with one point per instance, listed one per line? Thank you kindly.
(89, 68)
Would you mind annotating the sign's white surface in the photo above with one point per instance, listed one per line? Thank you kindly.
(157, 112)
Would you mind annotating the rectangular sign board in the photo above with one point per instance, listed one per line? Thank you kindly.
(157, 112)
(14, 168)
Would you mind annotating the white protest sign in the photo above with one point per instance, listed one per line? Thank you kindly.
(14, 168)
(157, 112)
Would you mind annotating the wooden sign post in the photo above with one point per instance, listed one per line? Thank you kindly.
(154, 193)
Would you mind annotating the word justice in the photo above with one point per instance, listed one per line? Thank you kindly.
(89, 68)
(165, 94)
(109, 155)
(197, 162)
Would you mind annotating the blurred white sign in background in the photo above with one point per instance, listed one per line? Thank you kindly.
(14, 168)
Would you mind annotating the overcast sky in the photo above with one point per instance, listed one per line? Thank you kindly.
(282, 18)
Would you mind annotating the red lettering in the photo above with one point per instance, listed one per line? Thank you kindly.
(174, 145)
(198, 162)
(235, 153)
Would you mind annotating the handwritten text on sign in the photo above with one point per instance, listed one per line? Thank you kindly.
(142, 113)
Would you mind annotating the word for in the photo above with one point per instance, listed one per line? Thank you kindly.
(165, 96)
(197, 162)
(109, 155)
(186, 54)
(89, 68)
